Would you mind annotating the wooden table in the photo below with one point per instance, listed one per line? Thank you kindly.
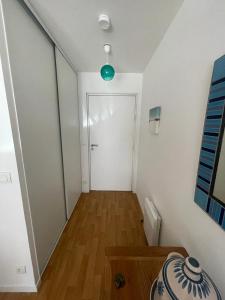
(140, 266)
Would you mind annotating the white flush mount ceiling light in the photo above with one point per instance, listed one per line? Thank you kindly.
(104, 22)
(107, 49)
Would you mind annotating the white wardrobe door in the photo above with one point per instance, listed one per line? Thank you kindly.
(69, 119)
(32, 60)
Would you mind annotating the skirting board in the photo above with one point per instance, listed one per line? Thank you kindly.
(29, 289)
(18, 289)
(140, 202)
(38, 284)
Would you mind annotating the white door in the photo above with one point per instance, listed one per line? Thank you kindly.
(70, 131)
(111, 123)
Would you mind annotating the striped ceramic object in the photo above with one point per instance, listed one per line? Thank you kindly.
(183, 279)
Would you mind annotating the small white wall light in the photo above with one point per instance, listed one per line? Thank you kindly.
(104, 22)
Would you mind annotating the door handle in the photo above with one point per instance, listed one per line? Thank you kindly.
(93, 145)
(119, 280)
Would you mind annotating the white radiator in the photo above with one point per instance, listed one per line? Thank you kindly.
(152, 222)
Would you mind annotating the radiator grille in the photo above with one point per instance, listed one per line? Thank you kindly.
(152, 223)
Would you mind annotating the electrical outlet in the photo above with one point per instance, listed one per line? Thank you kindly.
(21, 270)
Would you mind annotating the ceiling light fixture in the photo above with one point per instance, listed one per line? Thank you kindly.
(107, 71)
(104, 22)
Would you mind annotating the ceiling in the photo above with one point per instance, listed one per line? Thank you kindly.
(137, 28)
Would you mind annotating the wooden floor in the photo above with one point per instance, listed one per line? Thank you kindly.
(79, 269)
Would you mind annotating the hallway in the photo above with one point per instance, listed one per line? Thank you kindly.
(78, 268)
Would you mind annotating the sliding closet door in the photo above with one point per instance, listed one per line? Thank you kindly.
(70, 131)
(32, 60)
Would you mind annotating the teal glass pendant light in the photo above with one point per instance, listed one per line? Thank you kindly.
(107, 71)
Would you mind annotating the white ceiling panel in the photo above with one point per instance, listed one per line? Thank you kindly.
(137, 28)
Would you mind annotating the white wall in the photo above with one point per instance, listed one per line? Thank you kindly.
(92, 83)
(14, 247)
(178, 78)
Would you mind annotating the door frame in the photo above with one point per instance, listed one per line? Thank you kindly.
(135, 135)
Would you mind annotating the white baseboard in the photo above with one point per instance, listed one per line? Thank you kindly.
(29, 289)
(18, 289)
(140, 202)
(38, 284)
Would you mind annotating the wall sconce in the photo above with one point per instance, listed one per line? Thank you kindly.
(154, 119)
